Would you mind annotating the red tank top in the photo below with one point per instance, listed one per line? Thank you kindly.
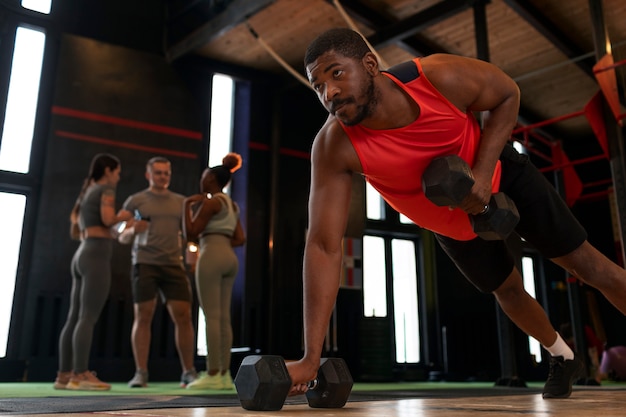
(393, 160)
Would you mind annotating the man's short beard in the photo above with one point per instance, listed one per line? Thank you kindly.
(365, 110)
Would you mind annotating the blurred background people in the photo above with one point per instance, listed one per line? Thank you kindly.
(213, 218)
(157, 269)
(91, 218)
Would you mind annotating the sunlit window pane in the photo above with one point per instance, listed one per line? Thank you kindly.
(519, 147)
(19, 120)
(405, 302)
(201, 348)
(374, 203)
(222, 101)
(41, 6)
(374, 279)
(221, 119)
(528, 272)
(404, 219)
(11, 225)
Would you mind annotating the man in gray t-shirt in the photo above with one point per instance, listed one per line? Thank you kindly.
(158, 269)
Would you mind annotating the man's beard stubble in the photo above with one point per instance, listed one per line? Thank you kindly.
(363, 110)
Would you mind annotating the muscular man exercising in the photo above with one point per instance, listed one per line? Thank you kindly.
(388, 126)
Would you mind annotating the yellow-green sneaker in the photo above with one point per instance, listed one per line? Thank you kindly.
(206, 381)
(227, 381)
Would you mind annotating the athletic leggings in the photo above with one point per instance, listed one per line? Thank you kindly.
(91, 282)
(215, 276)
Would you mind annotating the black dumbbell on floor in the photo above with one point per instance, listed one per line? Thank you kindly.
(448, 180)
(263, 383)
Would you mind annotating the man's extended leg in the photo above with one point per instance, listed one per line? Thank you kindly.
(524, 310)
(529, 316)
(593, 268)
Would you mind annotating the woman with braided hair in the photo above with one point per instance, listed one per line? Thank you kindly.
(213, 218)
(92, 216)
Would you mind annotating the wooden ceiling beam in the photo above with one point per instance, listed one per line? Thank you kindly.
(403, 29)
(371, 18)
(177, 8)
(547, 29)
(481, 32)
(236, 12)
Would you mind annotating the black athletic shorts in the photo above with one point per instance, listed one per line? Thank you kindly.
(170, 281)
(545, 222)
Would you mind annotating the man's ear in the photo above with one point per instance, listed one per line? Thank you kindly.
(370, 62)
(147, 175)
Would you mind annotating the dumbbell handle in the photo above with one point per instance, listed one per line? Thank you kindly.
(312, 384)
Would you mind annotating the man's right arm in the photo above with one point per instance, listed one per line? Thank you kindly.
(329, 200)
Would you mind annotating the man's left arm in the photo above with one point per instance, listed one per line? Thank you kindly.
(499, 101)
(478, 86)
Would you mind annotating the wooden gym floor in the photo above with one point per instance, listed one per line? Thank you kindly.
(585, 401)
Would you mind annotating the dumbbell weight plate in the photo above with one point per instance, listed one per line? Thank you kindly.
(334, 384)
(262, 383)
(447, 180)
(498, 221)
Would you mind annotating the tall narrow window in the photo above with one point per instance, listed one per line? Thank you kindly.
(221, 119)
(11, 225)
(374, 277)
(405, 220)
(19, 119)
(374, 203)
(519, 147)
(405, 302)
(41, 6)
(528, 272)
(221, 135)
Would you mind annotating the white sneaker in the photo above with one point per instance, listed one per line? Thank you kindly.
(207, 381)
(188, 377)
(140, 380)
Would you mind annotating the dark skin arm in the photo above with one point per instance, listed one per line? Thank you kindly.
(194, 221)
(239, 237)
(473, 85)
(329, 201)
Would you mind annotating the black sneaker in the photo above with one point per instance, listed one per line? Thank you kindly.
(562, 375)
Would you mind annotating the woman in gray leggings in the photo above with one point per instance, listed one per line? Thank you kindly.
(91, 217)
(214, 219)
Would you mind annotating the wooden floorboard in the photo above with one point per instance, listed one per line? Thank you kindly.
(587, 402)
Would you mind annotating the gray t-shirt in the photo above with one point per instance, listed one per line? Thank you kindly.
(89, 214)
(164, 243)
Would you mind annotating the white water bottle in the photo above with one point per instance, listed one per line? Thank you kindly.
(142, 238)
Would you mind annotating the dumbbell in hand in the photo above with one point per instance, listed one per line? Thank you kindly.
(449, 179)
(263, 383)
